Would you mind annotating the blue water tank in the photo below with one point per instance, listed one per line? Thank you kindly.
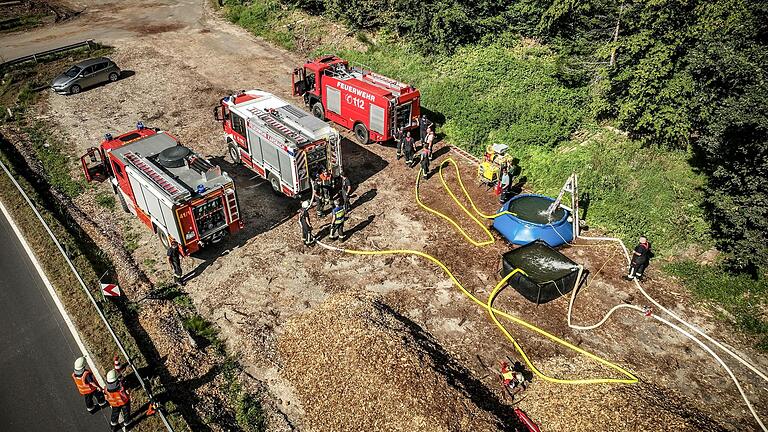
(531, 222)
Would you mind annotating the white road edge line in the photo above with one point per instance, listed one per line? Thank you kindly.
(54, 296)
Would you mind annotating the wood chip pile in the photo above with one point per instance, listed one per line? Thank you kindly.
(608, 407)
(358, 365)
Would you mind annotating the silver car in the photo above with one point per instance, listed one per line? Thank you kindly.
(87, 73)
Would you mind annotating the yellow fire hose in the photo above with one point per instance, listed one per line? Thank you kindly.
(488, 306)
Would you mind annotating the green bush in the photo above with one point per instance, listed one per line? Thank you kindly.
(743, 297)
(260, 18)
(505, 92)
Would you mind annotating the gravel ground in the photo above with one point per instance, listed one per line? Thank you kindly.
(263, 278)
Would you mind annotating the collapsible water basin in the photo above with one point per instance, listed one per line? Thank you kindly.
(531, 221)
(548, 273)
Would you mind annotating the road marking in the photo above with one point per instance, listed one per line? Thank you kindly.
(54, 296)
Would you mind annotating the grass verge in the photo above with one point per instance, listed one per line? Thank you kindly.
(743, 301)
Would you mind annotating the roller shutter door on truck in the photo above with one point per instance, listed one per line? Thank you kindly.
(377, 119)
(333, 99)
(255, 142)
(286, 168)
(271, 158)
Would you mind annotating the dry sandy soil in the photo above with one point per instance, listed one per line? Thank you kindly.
(262, 285)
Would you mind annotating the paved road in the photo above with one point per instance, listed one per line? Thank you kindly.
(36, 352)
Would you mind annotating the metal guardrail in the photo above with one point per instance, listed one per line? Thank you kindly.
(88, 293)
(34, 57)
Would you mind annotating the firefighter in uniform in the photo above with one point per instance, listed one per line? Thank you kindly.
(399, 137)
(408, 147)
(345, 191)
(424, 125)
(337, 224)
(174, 260)
(317, 190)
(119, 399)
(326, 184)
(640, 257)
(426, 155)
(514, 381)
(87, 385)
(306, 227)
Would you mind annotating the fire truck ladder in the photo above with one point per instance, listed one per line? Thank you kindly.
(173, 189)
(286, 131)
(387, 82)
(234, 212)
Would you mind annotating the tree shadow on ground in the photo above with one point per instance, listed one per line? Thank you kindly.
(457, 375)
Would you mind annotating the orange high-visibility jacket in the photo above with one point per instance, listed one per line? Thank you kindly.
(117, 397)
(84, 386)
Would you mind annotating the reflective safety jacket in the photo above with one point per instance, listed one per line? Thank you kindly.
(84, 382)
(116, 396)
(339, 215)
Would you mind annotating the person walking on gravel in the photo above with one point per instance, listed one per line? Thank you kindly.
(424, 126)
(640, 258)
(345, 191)
(174, 260)
(399, 137)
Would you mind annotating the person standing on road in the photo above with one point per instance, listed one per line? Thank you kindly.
(337, 224)
(119, 399)
(306, 227)
(174, 260)
(346, 191)
(326, 185)
(426, 155)
(87, 385)
(640, 257)
(429, 141)
(408, 148)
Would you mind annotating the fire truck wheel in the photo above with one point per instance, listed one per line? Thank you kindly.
(234, 154)
(274, 182)
(361, 133)
(163, 238)
(75, 89)
(318, 111)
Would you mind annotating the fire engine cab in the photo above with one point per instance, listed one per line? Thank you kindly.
(371, 105)
(174, 191)
(279, 141)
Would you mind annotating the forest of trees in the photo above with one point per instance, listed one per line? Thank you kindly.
(678, 74)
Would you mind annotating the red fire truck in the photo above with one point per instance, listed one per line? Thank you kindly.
(371, 105)
(280, 142)
(174, 191)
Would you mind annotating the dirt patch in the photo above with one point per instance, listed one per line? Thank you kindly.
(360, 365)
(27, 14)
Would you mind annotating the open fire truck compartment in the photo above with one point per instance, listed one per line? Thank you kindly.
(279, 141)
(173, 190)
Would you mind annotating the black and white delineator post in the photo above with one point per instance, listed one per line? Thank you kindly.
(571, 186)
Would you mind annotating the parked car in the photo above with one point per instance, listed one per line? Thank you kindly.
(85, 74)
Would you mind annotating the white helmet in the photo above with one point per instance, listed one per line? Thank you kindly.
(112, 376)
(305, 204)
(80, 364)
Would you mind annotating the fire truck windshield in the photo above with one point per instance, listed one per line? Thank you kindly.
(209, 217)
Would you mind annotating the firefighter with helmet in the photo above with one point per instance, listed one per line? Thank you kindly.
(337, 224)
(119, 399)
(306, 227)
(87, 385)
